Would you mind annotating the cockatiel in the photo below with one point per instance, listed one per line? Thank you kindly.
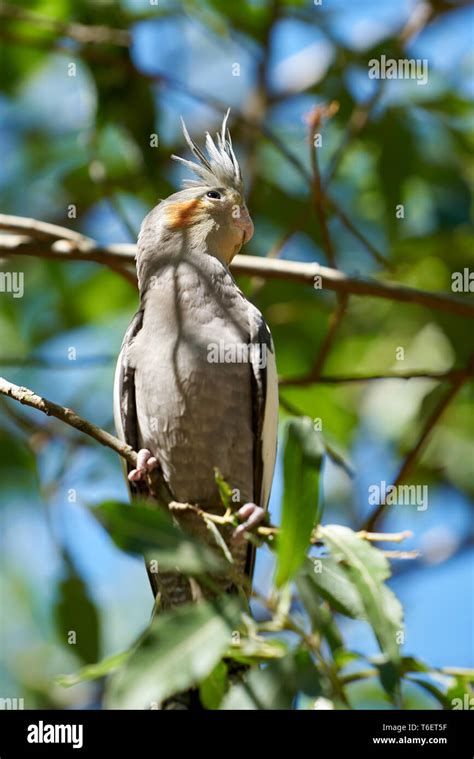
(196, 384)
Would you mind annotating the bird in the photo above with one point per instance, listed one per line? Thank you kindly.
(195, 388)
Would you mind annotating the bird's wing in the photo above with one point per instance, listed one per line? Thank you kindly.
(265, 414)
(264, 407)
(125, 412)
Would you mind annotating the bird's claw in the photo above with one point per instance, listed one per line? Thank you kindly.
(146, 462)
(252, 515)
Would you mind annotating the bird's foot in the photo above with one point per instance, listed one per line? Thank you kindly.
(146, 462)
(252, 516)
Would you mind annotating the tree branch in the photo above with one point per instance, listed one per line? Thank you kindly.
(429, 425)
(315, 118)
(335, 321)
(97, 56)
(350, 226)
(449, 376)
(28, 398)
(156, 483)
(82, 33)
(51, 241)
(39, 240)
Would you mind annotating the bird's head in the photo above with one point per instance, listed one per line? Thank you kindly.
(209, 216)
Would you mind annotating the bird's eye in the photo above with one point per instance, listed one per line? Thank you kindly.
(214, 194)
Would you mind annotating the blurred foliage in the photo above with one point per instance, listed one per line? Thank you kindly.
(195, 644)
(83, 142)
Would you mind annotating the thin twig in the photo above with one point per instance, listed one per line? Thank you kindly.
(315, 118)
(357, 121)
(429, 425)
(28, 398)
(387, 537)
(351, 227)
(83, 33)
(309, 379)
(404, 555)
(57, 362)
(335, 321)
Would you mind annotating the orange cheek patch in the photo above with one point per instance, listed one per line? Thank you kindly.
(183, 214)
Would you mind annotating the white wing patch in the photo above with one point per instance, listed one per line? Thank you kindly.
(270, 429)
(266, 403)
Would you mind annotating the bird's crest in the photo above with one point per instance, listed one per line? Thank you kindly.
(220, 166)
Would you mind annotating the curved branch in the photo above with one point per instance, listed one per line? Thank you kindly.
(68, 416)
(40, 241)
(27, 397)
(119, 258)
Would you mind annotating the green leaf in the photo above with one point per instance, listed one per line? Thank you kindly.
(276, 686)
(436, 692)
(142, 529)
(225, 491)
(251, 650)
(330, 580)
(75, 613)
(302, 459)
(322, 620)
(178, 651)
(219, 540)
(389, 676)
(343, 658)
(367, 568)
(213, 687)
(410, 664)
(94, 671)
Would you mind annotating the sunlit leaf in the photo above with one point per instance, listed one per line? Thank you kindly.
(142, 529)
(251, 650)
(302, 460)
(213, 687)
(95, 671)
(330, 580)
(179, 650)
(368, 568)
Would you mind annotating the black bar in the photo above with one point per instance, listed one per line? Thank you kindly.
(161, 733)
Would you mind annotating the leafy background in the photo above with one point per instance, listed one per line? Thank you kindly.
(85, 141)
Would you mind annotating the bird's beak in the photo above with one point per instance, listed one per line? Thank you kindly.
(245, 223)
